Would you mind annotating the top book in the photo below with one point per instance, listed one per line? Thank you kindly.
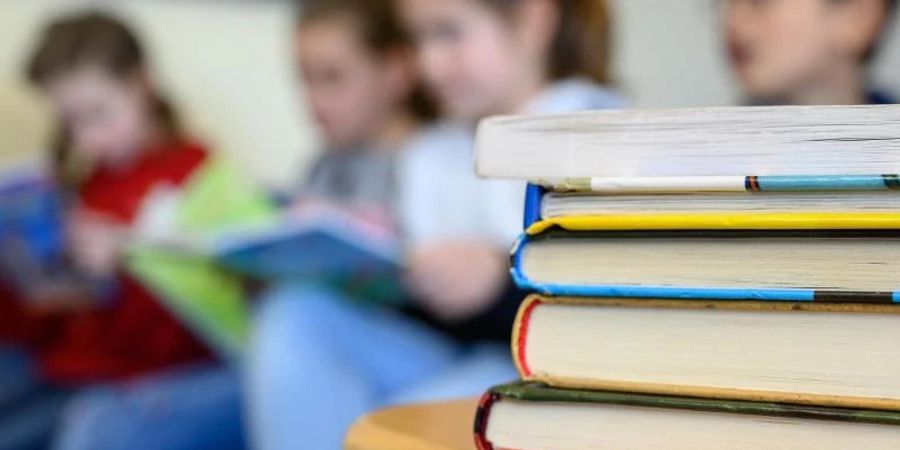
(697, 142)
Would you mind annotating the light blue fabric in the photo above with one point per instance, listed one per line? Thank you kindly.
(318, 361)
(442, 198)
(188, 409)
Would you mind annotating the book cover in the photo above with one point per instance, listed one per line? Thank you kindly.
(535, 222)
(519, 345)
(207, 297)
(335, 249)
(536, 392)
(790, 226)
(32, 233)
(200, 243)
(34, 260)
(750, 183)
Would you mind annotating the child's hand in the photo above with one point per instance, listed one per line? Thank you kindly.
(96, 242)
(457, 280)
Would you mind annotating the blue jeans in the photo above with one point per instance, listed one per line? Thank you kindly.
(191, 408)
(318, 361)
(29, 409)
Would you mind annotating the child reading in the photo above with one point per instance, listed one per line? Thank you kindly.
(319, 359)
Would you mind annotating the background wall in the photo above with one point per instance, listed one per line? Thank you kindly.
(668, 54)
(228, 65)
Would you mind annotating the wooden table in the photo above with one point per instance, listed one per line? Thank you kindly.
(440, 426)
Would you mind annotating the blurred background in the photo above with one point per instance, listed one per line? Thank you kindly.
(94, 330)
(228, 63)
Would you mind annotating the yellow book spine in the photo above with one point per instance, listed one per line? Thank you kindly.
(721, 221)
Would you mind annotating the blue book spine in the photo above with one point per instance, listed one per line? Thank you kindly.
(523, 282)
(534, 195)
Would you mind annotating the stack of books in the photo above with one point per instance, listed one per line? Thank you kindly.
(703, 279)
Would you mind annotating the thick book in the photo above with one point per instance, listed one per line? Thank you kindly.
(533, 416)
(835, 354)
(741, 264)
(851, 209)
(700, 142)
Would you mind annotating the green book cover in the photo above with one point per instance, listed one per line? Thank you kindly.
(211, 300)
(536, 392)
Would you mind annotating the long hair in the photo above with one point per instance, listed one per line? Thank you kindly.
(97, 40)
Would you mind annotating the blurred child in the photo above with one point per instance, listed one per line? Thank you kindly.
(319, 360)
(119, 140)
(806, 52)
(361, 82)
(362, 89)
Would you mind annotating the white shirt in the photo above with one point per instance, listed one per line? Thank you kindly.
(440, 196)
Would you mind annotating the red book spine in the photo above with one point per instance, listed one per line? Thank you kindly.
(520, 336)
(481, 420)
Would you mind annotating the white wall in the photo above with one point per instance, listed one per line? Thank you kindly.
(668, 54)
(227, 63)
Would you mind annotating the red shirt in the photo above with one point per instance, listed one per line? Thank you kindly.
(135, 334)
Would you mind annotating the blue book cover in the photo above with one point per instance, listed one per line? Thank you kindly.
(34, 261)
(31, 214)
(525, 281)
(362, 260)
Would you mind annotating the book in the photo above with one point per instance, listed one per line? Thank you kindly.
(34, 262)
(773, 210)
(196, 246)
(31, 215)
(329, 247)
(782, 264)
(532, 416)
(835, 354)
(670, 144)
(723, 184)
(209, 299)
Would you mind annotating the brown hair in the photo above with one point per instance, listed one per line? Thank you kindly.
(581, 46)
(380, 31)
(92, 39)
(890, 12)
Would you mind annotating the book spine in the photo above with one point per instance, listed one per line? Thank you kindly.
(880, 411)
(524, 282)
(515, 265)
(534, 196)
(482, 415)
(765, 183)
(704, 293)
(519, 341)
(774, 183)
(723, 221)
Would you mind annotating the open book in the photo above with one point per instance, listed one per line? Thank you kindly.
(195, 246)
(324, 246)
